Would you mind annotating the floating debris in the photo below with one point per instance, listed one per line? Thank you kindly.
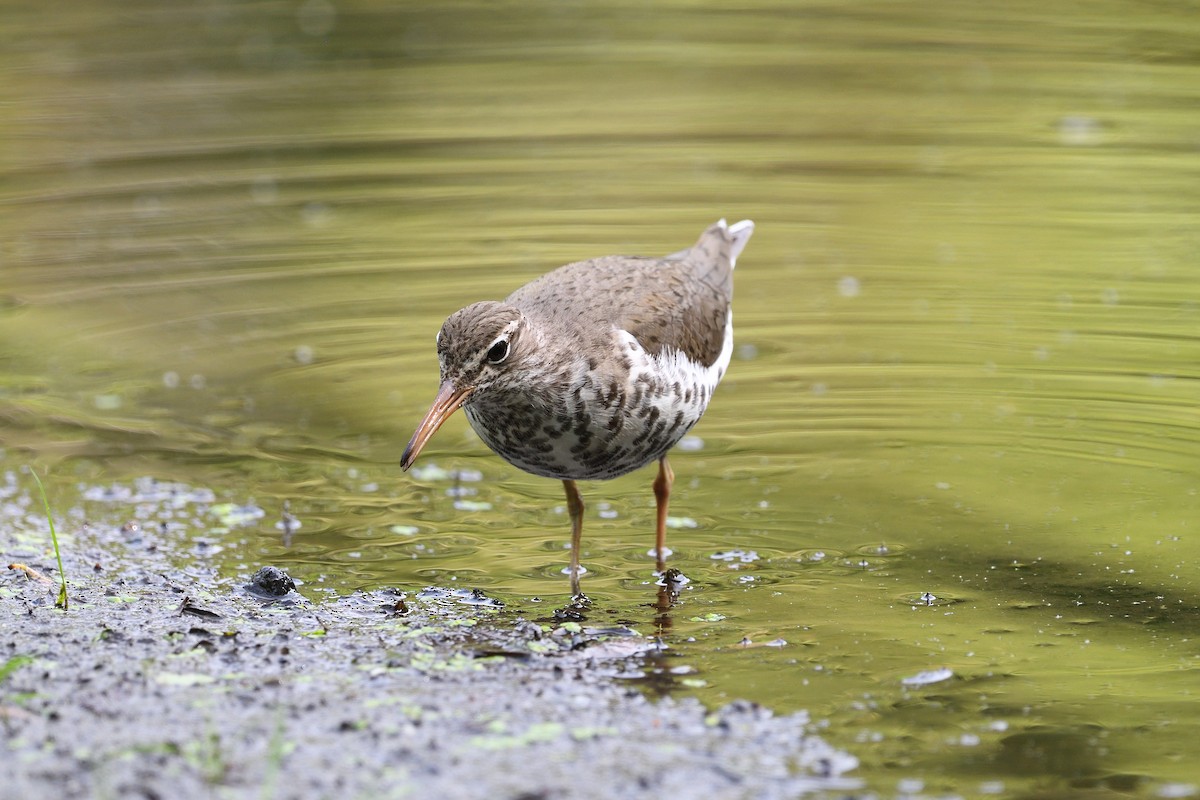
(430, 472)
(466, 597)
(928, 676)
(149, 490)
(573, 612)
(304, 354)
(927, 598)
(744, 556)
(232, 515)
(107, 402)
(748, 642)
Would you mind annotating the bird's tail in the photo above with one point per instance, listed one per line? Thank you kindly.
(739, 233)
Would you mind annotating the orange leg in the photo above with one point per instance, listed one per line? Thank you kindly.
(575, 509)
(662, 496)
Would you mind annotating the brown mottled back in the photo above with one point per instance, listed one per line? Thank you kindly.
(681, 299)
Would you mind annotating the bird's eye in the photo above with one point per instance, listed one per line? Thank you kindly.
(498, 352)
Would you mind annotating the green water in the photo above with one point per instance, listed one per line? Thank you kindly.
(968, 332)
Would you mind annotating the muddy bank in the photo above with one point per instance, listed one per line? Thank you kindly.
(166, 684)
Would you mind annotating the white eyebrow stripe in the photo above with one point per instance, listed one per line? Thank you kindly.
(505, 334)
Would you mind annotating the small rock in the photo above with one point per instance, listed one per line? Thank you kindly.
(271, 582)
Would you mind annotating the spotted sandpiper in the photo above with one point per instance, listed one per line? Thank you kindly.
(595, 369)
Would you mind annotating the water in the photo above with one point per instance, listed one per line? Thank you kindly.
(945, 499)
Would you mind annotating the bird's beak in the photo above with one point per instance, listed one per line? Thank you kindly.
(449, 398)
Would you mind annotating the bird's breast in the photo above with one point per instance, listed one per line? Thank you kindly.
(598, 419)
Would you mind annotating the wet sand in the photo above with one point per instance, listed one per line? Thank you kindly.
(163, 683)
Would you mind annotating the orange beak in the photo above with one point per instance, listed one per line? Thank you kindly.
(448, 400)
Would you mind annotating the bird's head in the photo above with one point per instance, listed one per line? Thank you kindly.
(479, 348)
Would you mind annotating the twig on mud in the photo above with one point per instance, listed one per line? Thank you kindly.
(32, 574)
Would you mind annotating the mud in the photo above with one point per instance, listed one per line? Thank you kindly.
(162, 683)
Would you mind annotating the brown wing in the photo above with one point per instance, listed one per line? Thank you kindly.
(681, 301)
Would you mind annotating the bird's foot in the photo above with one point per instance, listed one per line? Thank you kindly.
(672, 578)
(575, 610)
(669, 583)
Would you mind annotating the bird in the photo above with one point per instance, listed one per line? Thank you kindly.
(594, 369)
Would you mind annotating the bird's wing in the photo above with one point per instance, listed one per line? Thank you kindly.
(680, 301)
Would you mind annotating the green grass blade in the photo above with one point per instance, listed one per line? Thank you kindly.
(61, 602)
(12, 665)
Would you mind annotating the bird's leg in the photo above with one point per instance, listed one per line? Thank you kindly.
(662, 496)
(575, 509)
